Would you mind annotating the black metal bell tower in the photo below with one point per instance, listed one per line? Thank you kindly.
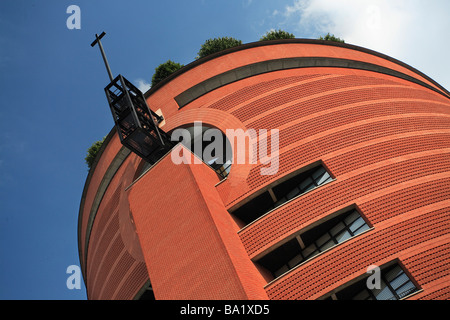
(136, 123)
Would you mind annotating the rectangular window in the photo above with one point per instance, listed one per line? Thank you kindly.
(314, 241)
(394, 285)
(281, 193)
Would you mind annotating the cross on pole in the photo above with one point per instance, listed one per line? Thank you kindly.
(97, 40)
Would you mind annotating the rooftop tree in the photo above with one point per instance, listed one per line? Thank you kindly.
(276, 34)
(93, 151)
(331, 37)
(217, 44)
(164, 70)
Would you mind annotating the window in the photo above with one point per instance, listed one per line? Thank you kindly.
(210, 145)
(314, 241)
(300, 184)
(281, 193)
(147, 294)
(394, 285)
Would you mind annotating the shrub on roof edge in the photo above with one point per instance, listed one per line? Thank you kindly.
(217, 44)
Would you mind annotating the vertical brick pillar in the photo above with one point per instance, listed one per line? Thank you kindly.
(189, 241)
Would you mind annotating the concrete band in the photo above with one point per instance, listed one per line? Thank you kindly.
(283, 64)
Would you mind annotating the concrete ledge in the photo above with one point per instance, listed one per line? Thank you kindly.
(254, 69)
(288, 41)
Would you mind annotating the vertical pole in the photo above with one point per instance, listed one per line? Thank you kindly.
(97, 40)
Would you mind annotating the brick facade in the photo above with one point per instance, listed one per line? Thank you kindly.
(381, 128)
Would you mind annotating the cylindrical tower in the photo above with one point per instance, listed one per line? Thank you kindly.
(358, 177)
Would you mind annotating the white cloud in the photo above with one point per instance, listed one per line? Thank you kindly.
(413, 31)
(143, 85)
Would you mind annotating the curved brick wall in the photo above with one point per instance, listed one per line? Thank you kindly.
(384, 137)
(113, 266)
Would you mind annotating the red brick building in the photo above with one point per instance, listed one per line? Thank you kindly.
(363, 179)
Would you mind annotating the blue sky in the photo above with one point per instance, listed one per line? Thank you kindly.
(52, 105)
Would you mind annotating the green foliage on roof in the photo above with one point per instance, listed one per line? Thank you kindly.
(164, 70)
(217, 44)
(93, 151)
(331, 37)
(276, 34)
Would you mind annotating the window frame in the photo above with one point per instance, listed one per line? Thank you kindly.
(327, 223)
(311, 169)
(384, 269)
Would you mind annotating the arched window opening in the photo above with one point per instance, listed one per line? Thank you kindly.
(209, 144)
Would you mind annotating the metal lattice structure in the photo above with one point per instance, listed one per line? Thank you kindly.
(136, 124)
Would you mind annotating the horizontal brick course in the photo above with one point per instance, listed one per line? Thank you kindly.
(384, 139)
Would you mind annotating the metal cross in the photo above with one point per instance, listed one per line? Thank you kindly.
(97, 40)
